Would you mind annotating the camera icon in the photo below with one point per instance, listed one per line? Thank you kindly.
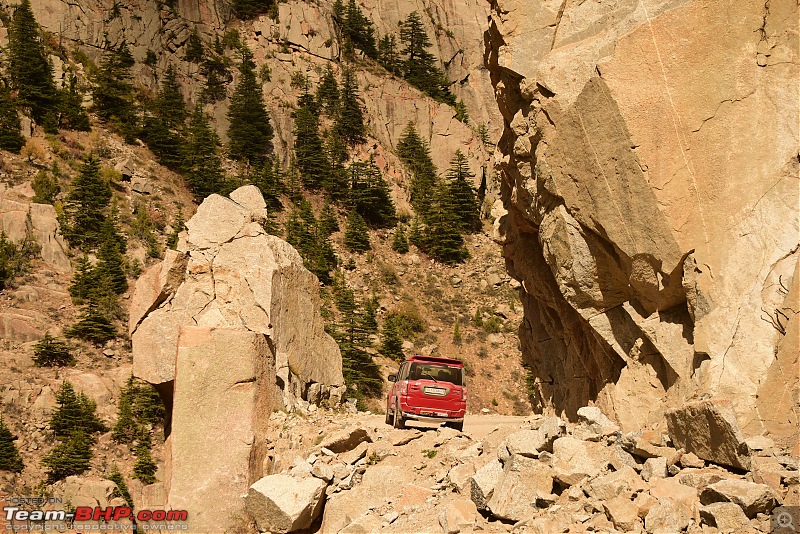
(785, 520)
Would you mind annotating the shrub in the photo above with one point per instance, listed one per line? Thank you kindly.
(51, 352)
(10, 460)
(407, 319)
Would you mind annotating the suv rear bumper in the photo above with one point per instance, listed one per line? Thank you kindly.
(431, 419)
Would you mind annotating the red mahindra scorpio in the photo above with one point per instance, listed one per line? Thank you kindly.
(427, 389)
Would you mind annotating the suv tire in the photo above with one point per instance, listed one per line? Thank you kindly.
(399, 421)
(388, 417)
(457, 426)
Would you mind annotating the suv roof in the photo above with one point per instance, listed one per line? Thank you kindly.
(432, 359)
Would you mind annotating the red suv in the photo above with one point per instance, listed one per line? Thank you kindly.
(428, 389)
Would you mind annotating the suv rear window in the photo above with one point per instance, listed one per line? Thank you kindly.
(438, 373)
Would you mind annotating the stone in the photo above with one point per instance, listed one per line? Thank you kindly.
(595, 421)
(530, 442)
(322, 471)
(457, 516)
(622, 483)
(710, 430)
(522, 482)
(459, 475)
(86, 491)
(413, 496)
(220, 371)
(760, 443)
(622, 513)
(346, 440)
(18, 219)
(399, 438)
(677, 506)
(249, 197)
(575, 460)
(752, 498)
(155, 286)
(482, 484)
(281, 503)
(725, 516)
(654, 467)
(352, 456)
(690, 459)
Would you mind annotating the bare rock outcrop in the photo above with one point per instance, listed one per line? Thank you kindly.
(228, 324)
(650, 202)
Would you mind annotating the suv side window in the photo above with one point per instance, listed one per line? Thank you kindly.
(403, 372)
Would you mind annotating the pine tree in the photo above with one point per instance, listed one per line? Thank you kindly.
(357, 30)
(419, 67)
(350, 119)
(328, 91)
(73, 115)
(462, 194)
(327, 220)
(85, 204)
(122, 488)
(45, 186)
(202, 166)
(387, 54)
(415, 154)
(356, 236)
(109, 273)
(442, 239)
(126, 429)
(310, 157)
(52, 352)
(338, 181)
(71, 457)
(249, 132)
(194, 47)
(247, 9)
(166, 118)
(84, 283)
(75, 412)
(145, 468)
(415, 233)
(217, 74)
(400, 242)
(30, 71)
(268, 180)
(10, 136)
(10, 459)
(177, 227)
(370, 195)
(361, 373)
(391, 342)
(93, 325)
(456, 335)
(113, 93)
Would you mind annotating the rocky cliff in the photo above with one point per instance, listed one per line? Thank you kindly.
(649, 165)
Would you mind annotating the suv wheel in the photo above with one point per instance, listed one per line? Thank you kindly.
(399, 420)
(388, 416)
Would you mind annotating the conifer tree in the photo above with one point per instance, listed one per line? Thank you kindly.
(52, 352)
(194, 47)
(145, 468)
(361, 373)
(122, 488)
(387, 54)
(166, 118)
(456, 335)
(70, 457)
(350, 119)
(338, 181)
(126, 429)
(356, 236)
(268, 180)
(310, 157)
(368, 318)
(94, 325)
(10, 136)
(247, 9)
(415, 154)
(442, 238)
(357, 30)
(327, 219)
(113, 94)
(217, 74)
(328, 91)
(370, 195)
(462, 194)
(400, 242)
(72, 114)
(419, 67)
(109, 273)
(391, 342)
(30, 71)
(75, 412)
(250, 132)
(202, 166)
(10, 459)
(415, 233)
(84, 283)
(85, 204)
(177, 227)
(45, 186)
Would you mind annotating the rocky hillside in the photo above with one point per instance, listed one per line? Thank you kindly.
(649, 169)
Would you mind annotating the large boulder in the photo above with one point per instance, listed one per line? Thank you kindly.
(483, 483)
(229, 273)
(524, 480)
(281, 503)
(752, 498)
(19, 219)
(575, 460)
(214, 455)
(710, 430)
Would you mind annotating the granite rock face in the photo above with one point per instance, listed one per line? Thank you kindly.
(650, 196)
